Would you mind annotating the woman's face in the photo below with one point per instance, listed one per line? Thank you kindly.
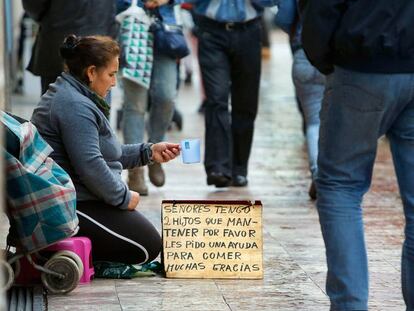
(103, 79)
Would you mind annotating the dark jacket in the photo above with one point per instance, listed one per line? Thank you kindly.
(361, 35)
(59, 18)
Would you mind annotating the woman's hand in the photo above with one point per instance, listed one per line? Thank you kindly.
(133, 201)
(152, 4)
(164, 152)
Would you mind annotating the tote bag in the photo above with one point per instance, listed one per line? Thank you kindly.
(136, 44)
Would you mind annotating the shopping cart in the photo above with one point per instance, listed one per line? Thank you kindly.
(41, 207)
(59, 267)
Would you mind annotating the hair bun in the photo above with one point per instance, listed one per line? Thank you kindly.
(67, 49)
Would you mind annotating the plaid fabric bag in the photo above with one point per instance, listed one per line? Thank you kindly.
(136, 42)
(40, 194)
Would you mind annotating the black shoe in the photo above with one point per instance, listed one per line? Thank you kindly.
(187, 80)
(202, 107)
(178, 119)
(218, 179)
(312, 191)
(240, 181)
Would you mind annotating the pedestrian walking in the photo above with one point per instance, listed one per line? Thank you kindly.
(366, 49)
(56, 20)
(308, 81)
(229, 34)
(160, 97)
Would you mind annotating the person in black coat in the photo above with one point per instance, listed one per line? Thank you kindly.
(59, 18)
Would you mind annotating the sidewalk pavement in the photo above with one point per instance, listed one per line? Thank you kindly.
(294, 255)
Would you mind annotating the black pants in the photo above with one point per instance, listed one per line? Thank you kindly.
(230, 60)
(118, 235)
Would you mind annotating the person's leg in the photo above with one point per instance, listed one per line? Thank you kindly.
(18, 80)
(245, 80)
(163, 92)
(177, 117)
(351, 117)
(188, 60)
(401, 138)
(133, 128)
(134, 108)
(265, 38)
(309, 86)
(215, 71)
(118, 235)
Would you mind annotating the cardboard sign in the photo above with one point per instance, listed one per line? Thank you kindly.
(212, 239)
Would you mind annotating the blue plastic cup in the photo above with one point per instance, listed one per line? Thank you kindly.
(190, 151)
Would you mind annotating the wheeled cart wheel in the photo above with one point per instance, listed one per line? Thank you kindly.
(8, 275)
(69, 273)
(73, 256)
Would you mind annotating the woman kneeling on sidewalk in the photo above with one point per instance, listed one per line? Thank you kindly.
(72, 117)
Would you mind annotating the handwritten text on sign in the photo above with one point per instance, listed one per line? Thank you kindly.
(212, 239)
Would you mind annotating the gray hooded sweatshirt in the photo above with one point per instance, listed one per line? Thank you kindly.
(84, 143)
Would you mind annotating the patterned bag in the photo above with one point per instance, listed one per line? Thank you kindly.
(40, 194)
(137, 45)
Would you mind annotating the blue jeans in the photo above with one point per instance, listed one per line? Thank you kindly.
(357, 109)
(162, 93)
(309, 85)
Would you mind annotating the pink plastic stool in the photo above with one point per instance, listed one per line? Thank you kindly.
(82, 246)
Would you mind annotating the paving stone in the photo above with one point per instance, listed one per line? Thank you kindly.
(99, 295)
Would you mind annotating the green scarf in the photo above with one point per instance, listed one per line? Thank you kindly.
(101, 104)
(98, 100)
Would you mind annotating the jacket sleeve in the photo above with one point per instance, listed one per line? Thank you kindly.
(321, 19)
(135, 155)
(286, 15)
(36, 8)
(83, 149)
